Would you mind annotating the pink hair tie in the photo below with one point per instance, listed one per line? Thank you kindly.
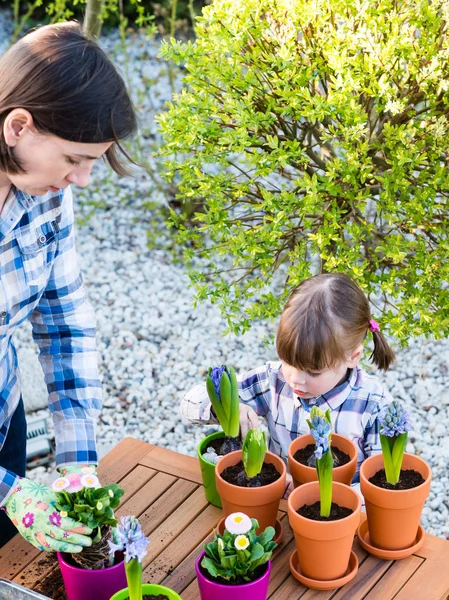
(373, 326)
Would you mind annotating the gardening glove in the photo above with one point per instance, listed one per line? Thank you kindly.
(31, 508)
(248, 419)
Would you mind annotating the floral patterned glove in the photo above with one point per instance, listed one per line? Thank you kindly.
(31, 508)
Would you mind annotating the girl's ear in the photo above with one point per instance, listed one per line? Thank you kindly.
(17, 123)
(355, 357)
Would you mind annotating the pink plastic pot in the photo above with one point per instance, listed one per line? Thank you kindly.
(209, 590)
(83, 584)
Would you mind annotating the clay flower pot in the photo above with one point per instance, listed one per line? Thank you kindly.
(149, 588)
(394, 515)
(208, 470)
(303, 474)
(254, 590)
(259, 503)
(323, 547)
(84, 584)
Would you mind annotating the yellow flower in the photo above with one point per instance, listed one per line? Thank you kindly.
(99, 506)
(241, 542)
(63, 513)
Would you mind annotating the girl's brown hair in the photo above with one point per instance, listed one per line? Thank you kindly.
(71, 89)
(325, 319)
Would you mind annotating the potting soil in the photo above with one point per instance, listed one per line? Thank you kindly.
(408, 479)
(303, 454)
(236, 475)
(312, 511)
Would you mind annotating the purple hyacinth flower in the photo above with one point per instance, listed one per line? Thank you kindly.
(130, 538)
(394, 420)
(320, 431)
(216, 375)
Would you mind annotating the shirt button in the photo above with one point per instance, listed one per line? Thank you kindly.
(3, 314)
(42, 239)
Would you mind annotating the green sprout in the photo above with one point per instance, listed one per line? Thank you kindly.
(253, 452)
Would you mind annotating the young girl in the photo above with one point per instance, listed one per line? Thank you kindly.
(320, 343)
(63, 105)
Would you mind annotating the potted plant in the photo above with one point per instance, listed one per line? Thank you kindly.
(222, 389)
(252, 481)
(94, 572)
(324, 516)
(236, 564)
(302, 460)
(395, 486)
(130, 539)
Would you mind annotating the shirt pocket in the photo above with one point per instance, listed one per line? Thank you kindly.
(36, 250)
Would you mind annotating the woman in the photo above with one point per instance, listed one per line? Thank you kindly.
(62, 106)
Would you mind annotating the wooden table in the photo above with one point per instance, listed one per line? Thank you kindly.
(164, 490)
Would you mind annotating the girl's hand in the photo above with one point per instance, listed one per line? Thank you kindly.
(248, 419)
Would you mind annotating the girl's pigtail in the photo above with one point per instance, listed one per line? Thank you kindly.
(382, 355)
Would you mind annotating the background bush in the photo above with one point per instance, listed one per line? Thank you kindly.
(314, 135)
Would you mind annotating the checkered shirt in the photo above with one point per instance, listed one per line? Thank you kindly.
(40, 281)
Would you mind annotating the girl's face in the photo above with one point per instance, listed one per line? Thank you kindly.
(50, 162)
(310, 384)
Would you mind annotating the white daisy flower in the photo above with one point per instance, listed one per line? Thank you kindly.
(238, 523)
(60, 484)
(90, 481)
(241, 542)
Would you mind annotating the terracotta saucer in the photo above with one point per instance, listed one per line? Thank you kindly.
(329, 584)
(278, 528)
(365, 542)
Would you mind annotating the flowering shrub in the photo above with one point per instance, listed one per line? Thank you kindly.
(314, 136)
(239, 551)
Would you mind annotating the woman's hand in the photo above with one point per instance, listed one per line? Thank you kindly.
(248, 419)
(31, 508)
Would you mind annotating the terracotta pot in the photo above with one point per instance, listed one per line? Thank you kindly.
(393, 515)
(303, 474)
(208, 470)
(261, 503)
(323, 547)
(149, 588)
(254, 590)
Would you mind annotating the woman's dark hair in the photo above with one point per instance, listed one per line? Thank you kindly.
(71, 89)
(325, 319)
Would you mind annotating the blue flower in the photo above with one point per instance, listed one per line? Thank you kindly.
(215, 375)
(394, 420)
(129, 537)
(320, 428)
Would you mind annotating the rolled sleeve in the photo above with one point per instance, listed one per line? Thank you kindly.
(64, 328)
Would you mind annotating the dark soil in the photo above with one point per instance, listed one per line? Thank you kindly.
(312, 511)
(304, 454)
(239, 580)
(50, 584)
(408, 479)
(224, 445)
(237, 476)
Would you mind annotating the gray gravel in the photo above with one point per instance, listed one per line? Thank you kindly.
(154, 346)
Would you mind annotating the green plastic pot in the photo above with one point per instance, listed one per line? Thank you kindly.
(208, 470)
(149, 588)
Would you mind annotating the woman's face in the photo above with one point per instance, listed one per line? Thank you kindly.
(50, 162)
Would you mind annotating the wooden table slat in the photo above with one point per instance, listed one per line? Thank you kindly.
(395, 578)
(174, 463)
(431, 580)
(135, 480)
(147, 495)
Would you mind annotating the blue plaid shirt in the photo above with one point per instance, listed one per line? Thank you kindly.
(355, 405)
(40, 281)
